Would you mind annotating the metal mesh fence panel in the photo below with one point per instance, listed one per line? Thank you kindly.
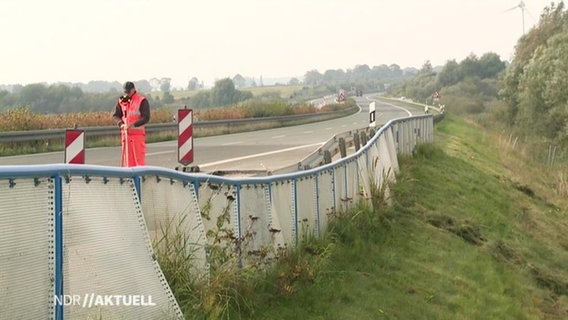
(171, 211)
(283, 212)
(306, 195)
(385, 167)
(255, 219)
(26, 249)
(374, 164)
(326, 200)
(217, 203)
(107, 252)
(406, 138)
(352, 183)
(391, 148)
(340, 184)
(364, 176)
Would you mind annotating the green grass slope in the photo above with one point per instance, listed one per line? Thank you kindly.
(472, 233)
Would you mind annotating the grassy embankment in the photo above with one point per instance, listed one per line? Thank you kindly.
(474, 232)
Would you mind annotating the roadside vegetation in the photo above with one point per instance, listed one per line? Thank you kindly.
(473, 232)
(22, 119)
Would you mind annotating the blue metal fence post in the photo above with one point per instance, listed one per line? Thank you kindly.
(333, 190)
(239, 228)
(195, 184)
(58, 247)
(137, 187)
(346, 186)
(295, 199)
(358, 184)
(317, 206)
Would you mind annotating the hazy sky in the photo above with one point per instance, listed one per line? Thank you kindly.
(82, 40)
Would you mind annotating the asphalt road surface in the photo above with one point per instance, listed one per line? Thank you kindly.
(256, 150)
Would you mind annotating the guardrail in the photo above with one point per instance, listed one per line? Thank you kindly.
(83, 230)
(329, 150)
(49, 134)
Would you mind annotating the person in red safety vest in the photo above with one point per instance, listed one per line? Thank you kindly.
(131, 114)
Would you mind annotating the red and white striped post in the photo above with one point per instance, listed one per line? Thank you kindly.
(75, 146)
(185, 136)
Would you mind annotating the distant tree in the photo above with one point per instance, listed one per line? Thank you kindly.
(201, 100)
(100, 86)
(143, 86)
(395, 70)
(239, 81)
(224, 93)
(33, 96)
(421, 86)
(313, 78)
(17, 88)
(381, 72)
(293, 82)
(165, 84)
(426, 68)
(410, 72)
(334, 77)
(470, 66)
(361, 72)
(450, 74)
(491, 65)
(193, 84)
(168, 97)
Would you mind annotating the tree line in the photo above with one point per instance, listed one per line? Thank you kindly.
(60, 98)
(473, 80)
(535, 84)
(102, 95)
(528, 95)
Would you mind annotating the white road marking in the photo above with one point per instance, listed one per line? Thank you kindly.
(308, 132)
(401, 108)
(161, 152)
(210, 164)
(231, 143)
(278, 137)
(328, 128)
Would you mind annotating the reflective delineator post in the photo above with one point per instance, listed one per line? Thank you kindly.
(75, 146)
(372, 119)
(185, 136)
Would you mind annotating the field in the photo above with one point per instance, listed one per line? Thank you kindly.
(284, 91)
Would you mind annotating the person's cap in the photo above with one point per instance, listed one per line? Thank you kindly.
(128, 85)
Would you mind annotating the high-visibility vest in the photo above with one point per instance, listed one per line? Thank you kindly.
(131, 112)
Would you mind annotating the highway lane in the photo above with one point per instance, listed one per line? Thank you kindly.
(256, 150)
